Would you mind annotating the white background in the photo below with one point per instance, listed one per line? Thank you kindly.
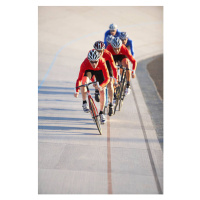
(19, 106)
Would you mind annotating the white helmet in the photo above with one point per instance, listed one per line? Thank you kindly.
(113, 27)
(123, 35)
(116, 42)
(93, 55)
(109, 38)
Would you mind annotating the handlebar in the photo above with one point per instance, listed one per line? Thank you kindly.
(85, 85)
(115, 79)
(121, 67)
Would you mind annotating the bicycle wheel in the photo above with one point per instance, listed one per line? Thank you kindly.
(122, 91)
(94, 113)
(106, 101)
(117, 98)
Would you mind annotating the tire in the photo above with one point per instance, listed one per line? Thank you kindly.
(122, 91)
(117, 98)
(95, 114)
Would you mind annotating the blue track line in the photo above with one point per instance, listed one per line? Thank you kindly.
(69, 43)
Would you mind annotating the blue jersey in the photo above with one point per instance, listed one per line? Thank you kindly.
(130, 45)
(108, 33)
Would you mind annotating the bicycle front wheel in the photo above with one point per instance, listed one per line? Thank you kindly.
(122, 92)
(95, 114)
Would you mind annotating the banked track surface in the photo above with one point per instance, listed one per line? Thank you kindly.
(72, 157)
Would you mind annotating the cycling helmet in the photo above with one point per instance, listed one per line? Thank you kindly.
(99, 45)
(123, 35)
(113, 27)
(93, 55)
(116, 42)
(109, 38)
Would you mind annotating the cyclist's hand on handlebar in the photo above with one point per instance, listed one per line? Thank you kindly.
(76, 94)
(115, 84)
(133, 75)
(95, 85)
(100, 88)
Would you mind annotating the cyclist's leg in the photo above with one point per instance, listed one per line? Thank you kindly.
(100, 79)
(125, 63)
(102, 99)
(85, 80)
(110, 90)
(86, 77)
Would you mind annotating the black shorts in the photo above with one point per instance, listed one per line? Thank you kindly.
(98, 74)
(119, 57)
(109, 68)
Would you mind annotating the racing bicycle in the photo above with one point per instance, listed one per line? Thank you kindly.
(93, 109)
(120, 89)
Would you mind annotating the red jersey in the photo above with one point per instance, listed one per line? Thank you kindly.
(87, 66)
(108, 56)
(123, 51)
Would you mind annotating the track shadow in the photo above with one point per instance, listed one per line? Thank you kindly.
(59, 109)
(64, 128)
(56, 90)
(62, 118)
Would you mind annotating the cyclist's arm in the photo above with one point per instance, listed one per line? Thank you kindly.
(131, 47)
(109, 48)
(80, 76)
(105, 42)
(114, 68)
(106, 75)
(130, 57)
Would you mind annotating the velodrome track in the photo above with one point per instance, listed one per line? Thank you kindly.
(72, 157)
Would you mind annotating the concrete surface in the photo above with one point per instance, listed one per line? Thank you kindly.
(72, 157)
(150, 92)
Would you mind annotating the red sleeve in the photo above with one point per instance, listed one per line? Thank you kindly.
(105, 74)
(114, 68)
(80, 76)
(109, 47)
(129, 55)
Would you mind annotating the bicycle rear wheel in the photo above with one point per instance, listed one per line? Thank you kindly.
(117, 98)
(122, 91)
(95, 114)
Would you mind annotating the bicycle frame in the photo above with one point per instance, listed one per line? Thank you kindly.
(120, 91)
(106, 97)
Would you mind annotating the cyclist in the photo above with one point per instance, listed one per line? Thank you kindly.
(121, 55)
(93, 65)
(112, 31)
(127, 41)
(100, 47)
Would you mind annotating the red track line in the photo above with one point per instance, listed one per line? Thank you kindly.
(109, 157)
